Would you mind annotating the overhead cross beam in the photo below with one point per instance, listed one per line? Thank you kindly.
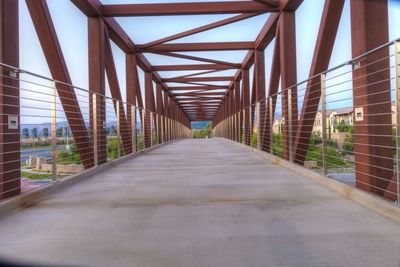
(205, 87)
(194, 67)
(194, 58)
(182, 47)
(199, 79)
(201, 8)
(201, 29)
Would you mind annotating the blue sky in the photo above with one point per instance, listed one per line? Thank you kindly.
(71, 26)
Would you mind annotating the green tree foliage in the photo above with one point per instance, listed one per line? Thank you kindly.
(348, 145)
(45, 132)
(59, 132)
(112, 148)
(25, 133)
(203, 132)
(34, 132)
(342, 127)
(69, 157)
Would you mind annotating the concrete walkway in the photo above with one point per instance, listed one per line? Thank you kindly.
(203, 203)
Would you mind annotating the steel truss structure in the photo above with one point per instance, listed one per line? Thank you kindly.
(200, 99)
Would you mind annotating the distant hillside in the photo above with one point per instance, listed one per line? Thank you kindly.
(198, 125)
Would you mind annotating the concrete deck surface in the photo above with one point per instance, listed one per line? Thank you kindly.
(203, 203)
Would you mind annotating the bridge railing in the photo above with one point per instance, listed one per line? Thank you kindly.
(343, 123)
(51, 130)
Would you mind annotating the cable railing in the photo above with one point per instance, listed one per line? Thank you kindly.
(51, 130)
(343, 123)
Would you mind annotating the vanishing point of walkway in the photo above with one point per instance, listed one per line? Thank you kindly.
(204, 203)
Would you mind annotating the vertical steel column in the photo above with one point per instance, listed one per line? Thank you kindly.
(143, 117)
(118, 128)
(324, 137)
(133, 128)
(290, 126)
(10, 159)
(96, 62)
(397, 73)
(162, 129)
(372, 99)
(271, 126)
(53, 108)
(251, 122)
(95, 130)
(258, 125)
(287, 42)
(151, 129)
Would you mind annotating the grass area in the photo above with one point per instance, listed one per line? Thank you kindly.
(335, 160)
(35, 176)
(314, 152)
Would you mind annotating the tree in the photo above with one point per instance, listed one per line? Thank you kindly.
(348, 145)
(34, 132)
(342, 127)
(25, 133)
(59, 132)
(45, 132)
(113, 130)
(203, 132)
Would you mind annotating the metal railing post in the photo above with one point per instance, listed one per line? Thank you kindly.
(151, 129)
(142, 113)
(271, 127)
(324, 136)
(162, 129)
(133, 128)
(258, 126)
(53, 132)
(290, 125)
(118, 129)
(95, 130)
(397, 73)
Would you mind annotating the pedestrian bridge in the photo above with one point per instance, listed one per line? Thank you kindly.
(199, 203)
(99, 100)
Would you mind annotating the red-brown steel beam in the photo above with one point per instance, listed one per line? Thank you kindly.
(271, 3)
(194, 58)
(166, 114)
(200, 87)
(272, 93)
(92, 8)
(198, 73)
(238, 132)
(199, 79)
(150, 107)
(373, 150)
(43, 24)
(160, 111)
(267, 32)
(194, 67)
(287, 41)
(184, 47)
(322, 53)
(290, 5)
(200, 94)
(10, 182)
(246, 105)
(262, 41)
(96, 62)
(204, 98)
(133, 92)
(201, 29)
(112, 78)
(259, 76)
(168, 9)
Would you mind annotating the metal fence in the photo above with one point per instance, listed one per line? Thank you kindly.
(61, 129)
(343, 123)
